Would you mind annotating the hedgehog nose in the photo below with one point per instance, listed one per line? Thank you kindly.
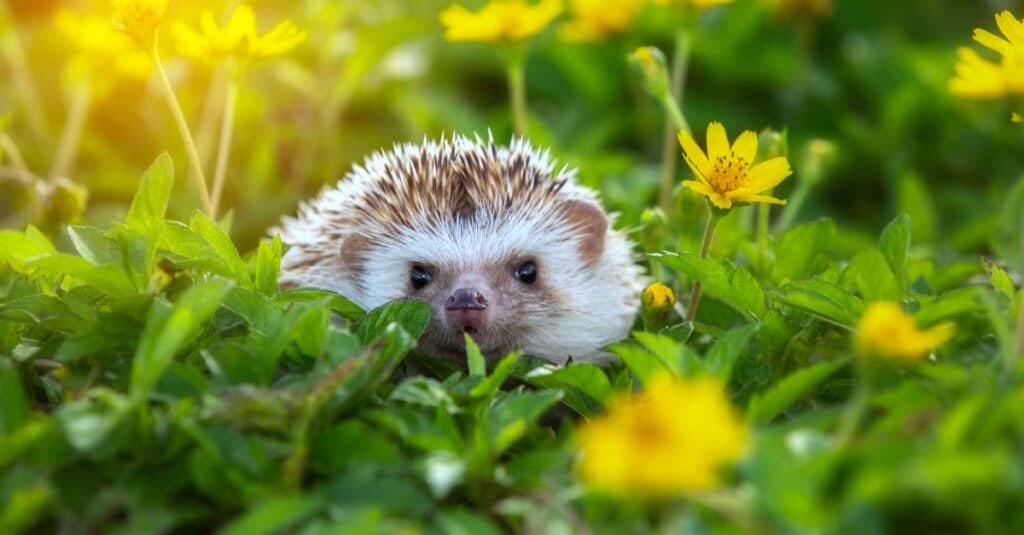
(466, 299)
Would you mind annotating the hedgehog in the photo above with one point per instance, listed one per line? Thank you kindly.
(500, 244)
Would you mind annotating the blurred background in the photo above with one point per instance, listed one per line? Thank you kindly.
(871, 77)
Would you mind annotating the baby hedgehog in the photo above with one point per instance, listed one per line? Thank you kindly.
(498, 243)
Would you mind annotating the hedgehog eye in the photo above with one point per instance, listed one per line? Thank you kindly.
(420, 277)
(526, 273)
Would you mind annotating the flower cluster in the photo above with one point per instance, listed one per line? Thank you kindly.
(237, 39)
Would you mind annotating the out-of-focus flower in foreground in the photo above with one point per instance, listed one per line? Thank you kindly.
(888, 332)
(593, 20)
(977, 77)
(726, 175)
(140, 19)
(238, 38)
(102, 54)
(675, 436)
(696, 4)
(499, 20)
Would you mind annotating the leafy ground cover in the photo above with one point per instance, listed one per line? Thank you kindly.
(853, 364)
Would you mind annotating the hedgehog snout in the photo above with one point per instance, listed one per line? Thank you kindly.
(466, 310)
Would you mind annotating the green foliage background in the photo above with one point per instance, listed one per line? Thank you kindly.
(153, 378)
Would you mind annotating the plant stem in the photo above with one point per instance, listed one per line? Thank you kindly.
(78, 110)
(705, 244)
(762, 237)
(858, 405)
(23, 174)
(23, 82)
(674, 120)
(209, 119)
(183, 130)
(1018, 337)
(227, 127)
(517, 91)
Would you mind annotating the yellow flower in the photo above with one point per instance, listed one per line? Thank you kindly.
(726, 174)
(238, 38)
(977, 77)
(675, 436)
(596, 19)
(499, 20)
(697, 4)
(658, 295)
(140, 19)
(888, 332)
(100, 50)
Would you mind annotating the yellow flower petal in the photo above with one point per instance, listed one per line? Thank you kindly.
(745, 146)
(766, 175)
(751, 198)
(693, 155)
(718, 142)
(698, 187)
(993, 41)
(1011, 27)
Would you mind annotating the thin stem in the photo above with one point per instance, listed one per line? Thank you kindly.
(858, 405)
(795, 202)
(1018, 338)
(23, 174)
(675, 120)
(23, 82)
(209, 119)
(67, 149)
(762, 237)
(186, 136)
(227, 127)
(517, 91)
(705, 244)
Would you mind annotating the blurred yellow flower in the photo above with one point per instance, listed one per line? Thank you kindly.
(100, 50)
(596, 19)
(658, 295)
(698, 4)
(238, 38)
(499, 20)
(888, 332)
(726, 175)
(977, 77)
(140, 19)
(674, 436)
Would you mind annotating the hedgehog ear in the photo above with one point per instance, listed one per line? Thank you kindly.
(590, 224)
(353, 252)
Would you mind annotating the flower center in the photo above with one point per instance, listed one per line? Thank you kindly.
(729, 173)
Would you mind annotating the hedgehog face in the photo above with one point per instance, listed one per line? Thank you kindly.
(500, 245)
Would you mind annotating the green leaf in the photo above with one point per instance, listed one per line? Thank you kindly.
(474, 358)
(512, 415)
(221, 243)
(895, 246)
(875, 279)
(410, 314)
(726, 351)
(826, 300)
(586, 386)
(150, 203)
(339, 305)
(734, 286)
(1000, 280)
(169, 328)
(14, 407)
(268, 265)
(274, 516)
(764, 407)
(642, 363)
(799, 248)
(20, 247)
(111, 280)
(95, 246)
(958, 302)
(463, 521)
(492, 383)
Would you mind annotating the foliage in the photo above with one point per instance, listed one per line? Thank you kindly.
(154, 378)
